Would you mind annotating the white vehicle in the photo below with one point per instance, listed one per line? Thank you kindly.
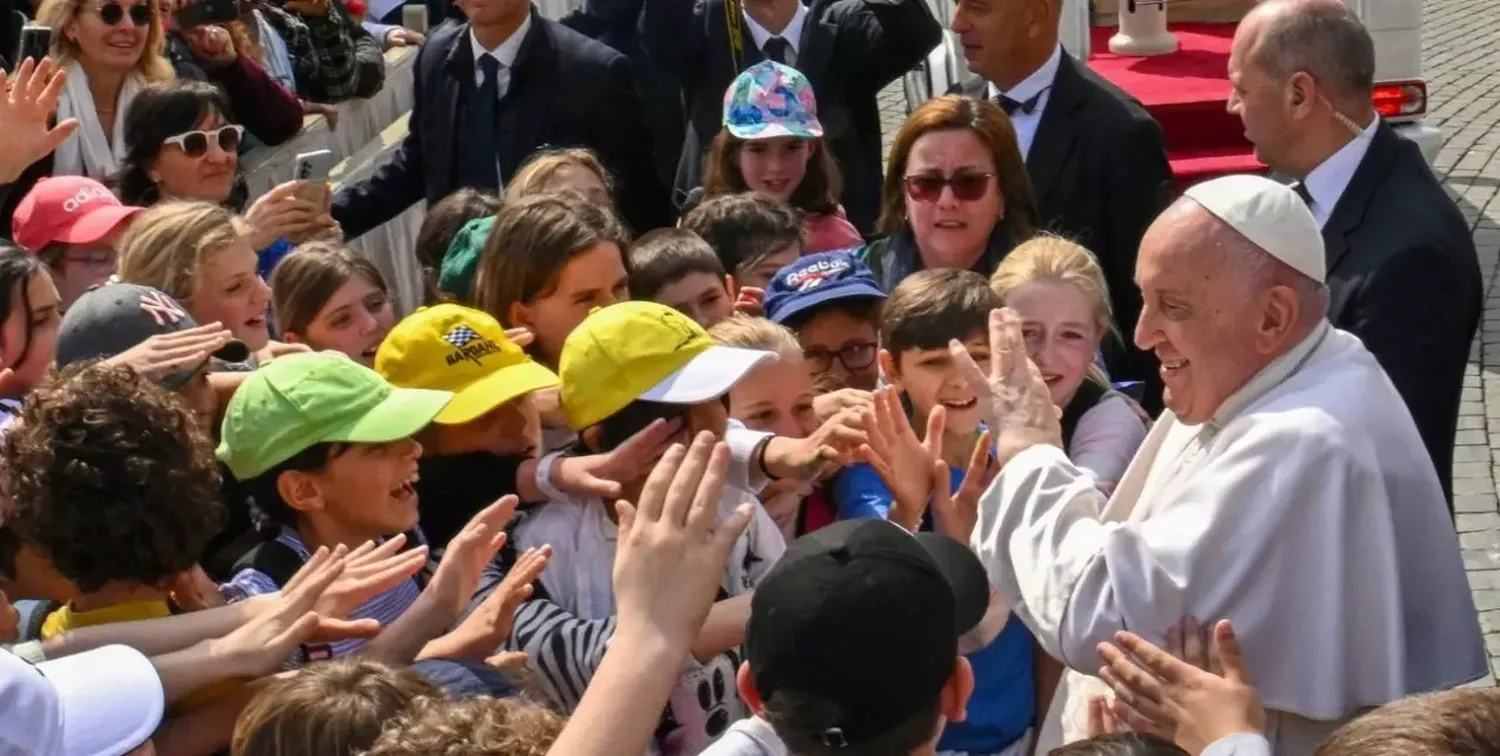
(1395, 25)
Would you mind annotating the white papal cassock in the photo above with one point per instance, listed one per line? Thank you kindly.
(1306, 512)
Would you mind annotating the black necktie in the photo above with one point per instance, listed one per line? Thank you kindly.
(1011, 106)
(479, 167)
(1301, 190)
(779, 50)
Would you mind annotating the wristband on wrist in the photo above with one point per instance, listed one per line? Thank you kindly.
(544, 476)
(759, 455)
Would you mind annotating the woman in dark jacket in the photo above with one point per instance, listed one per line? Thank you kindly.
(956, 193)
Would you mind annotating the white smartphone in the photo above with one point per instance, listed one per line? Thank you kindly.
(414, 17)
(312, 168)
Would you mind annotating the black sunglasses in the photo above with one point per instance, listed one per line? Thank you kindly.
(113, 13)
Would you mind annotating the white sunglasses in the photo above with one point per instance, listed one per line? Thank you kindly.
(195, 143)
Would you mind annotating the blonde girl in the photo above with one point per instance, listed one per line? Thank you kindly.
(573, 168)
(777, 397)
(1058, 289)
(200, 254)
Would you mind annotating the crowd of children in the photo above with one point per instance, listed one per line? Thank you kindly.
(427, 503)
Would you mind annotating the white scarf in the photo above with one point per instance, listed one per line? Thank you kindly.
(87, 152)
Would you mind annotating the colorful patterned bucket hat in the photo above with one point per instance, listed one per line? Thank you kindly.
(770, 100)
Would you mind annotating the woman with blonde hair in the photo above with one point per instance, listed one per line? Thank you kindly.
(553, 170)
(200, 254)
(110, 50)
(1058, 289)
(956, 193)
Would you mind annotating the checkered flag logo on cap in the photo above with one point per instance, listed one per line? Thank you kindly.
(460, 336)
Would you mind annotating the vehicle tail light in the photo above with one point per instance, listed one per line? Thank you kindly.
(1397, 99)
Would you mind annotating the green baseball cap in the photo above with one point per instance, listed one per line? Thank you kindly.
(461, 261)
(299, 400)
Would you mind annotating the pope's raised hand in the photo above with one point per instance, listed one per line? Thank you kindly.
(1013, 398)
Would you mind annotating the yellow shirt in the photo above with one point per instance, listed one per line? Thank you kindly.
(67, 618)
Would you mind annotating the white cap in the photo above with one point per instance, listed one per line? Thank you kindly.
(1271, 215)
(709, 375)
(104, 702)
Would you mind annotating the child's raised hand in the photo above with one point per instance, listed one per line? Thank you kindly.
(901, 459)
(828, 404)
(672, 549)
(369, 570)
(956, 515)
(838, 440)
(458, 574)
(1156, 691)
(601, 474)
(488, 626)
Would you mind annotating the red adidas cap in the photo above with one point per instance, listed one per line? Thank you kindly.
(67, 209)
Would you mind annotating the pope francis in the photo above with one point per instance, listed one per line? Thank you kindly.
(1285, 488)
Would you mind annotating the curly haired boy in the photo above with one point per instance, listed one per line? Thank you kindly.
(115, 485)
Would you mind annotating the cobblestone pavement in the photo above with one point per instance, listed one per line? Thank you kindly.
(1458, 43)
(1458, 40)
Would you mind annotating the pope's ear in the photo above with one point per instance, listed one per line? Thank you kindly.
(1282, 312)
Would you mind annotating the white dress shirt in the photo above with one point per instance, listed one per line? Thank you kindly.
(1327, 182)
(1038, 85)
(792, 33)
(505, 53)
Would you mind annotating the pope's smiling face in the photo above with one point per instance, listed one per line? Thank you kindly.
(1207, 311)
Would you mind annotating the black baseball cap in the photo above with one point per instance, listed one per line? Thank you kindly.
(111, 319)
(866, 616)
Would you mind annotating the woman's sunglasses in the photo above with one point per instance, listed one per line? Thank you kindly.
(113, 13)
(195, 143)
(967, 187)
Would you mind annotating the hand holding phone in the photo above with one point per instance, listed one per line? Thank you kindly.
(311, 170)
(194, 13)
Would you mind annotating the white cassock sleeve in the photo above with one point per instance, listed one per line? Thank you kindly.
(1256, 533)
(1242, 744)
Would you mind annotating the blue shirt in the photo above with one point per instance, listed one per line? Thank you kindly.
(268, 258)
(1003, 705)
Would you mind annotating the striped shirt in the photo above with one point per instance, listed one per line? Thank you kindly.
(384, 608)
(561, 648)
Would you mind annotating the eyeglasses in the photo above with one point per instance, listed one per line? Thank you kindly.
(94, 258)
(967, 187)
(113, 13)
(195, 143)
(855, 356)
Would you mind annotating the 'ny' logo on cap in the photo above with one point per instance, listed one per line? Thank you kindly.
(460, 336)
(162, 308)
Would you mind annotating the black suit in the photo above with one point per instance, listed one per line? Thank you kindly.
(849, 51)
(617, 23)
(564, 90)
(1098, 167)
(1403, 276)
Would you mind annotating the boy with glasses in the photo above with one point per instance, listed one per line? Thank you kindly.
(831, 301)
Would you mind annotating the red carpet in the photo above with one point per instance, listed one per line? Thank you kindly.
(1186, 92)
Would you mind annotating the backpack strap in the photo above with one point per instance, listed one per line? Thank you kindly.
(273, 559)
(1088, 395)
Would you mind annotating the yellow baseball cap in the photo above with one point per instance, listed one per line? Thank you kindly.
(644, 350)
(462, 350)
